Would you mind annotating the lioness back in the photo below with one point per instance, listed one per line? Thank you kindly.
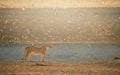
(36, 51)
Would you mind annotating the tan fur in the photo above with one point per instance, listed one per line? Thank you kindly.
(36, 51)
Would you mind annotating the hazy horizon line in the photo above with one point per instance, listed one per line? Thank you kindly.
(63, 7)
(23, 8)
(85, 42)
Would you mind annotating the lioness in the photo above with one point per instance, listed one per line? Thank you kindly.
(36, 51)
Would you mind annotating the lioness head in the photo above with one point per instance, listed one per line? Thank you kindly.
(48, 46)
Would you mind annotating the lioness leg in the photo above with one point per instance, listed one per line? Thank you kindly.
(27, 56)
(43, 57)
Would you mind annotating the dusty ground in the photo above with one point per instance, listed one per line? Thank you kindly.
(33, 68)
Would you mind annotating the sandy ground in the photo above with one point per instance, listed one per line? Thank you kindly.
(35, 68)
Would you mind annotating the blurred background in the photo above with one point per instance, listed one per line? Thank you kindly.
(78, 21)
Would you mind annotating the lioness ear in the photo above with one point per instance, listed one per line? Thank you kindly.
(50, 45)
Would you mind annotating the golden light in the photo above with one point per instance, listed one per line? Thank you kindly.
(58, 3)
